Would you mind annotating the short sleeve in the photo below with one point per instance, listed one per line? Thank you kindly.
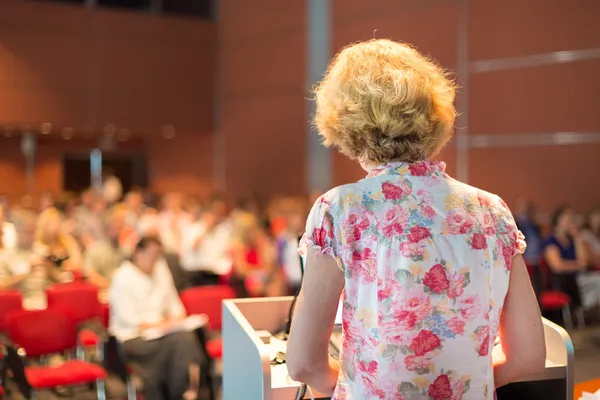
(512, 237)
(320, 232)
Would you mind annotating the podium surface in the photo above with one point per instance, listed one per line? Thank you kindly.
(248, 373)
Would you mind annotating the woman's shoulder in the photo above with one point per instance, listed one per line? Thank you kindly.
(551, 240)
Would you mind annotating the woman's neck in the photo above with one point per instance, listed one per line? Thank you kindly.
(562, 235)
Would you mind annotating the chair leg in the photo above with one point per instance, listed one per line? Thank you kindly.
(131, 390)
(33, 395)
(580, 317)
(101, 389)
(80, 353)
(566, 314)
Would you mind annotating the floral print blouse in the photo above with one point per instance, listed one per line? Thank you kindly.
(426, 261)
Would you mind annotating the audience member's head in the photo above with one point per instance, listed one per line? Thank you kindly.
(116, 221)
(25, 225)
(563, 220)
(46, 201)
(147, 253)
(27, 202)
(248, 203)
(88, 197)
(593, 220)
(98, 206)
(247, 229)
(134, 199)
(48, 227)
(65, 203)
(523, 208)
(295, 215)
(382, 101)
(216, 210)
(172, 202)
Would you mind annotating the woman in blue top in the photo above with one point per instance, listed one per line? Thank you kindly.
(567, 257)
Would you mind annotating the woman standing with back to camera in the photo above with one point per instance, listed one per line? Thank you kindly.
(430, 268)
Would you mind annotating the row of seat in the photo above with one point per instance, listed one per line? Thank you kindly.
(57, 329)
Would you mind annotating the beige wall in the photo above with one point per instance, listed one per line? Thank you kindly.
(512, 101)
(262, 106)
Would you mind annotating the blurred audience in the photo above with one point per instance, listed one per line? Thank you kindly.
(22, 269)
(254, 249)
(112, 189)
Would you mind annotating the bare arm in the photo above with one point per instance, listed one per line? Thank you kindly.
(91, 261)
(73, 263)
(307, 355)
(559, 264)
(96, 279)
(581, 251)
(10, 281)
(521, 330)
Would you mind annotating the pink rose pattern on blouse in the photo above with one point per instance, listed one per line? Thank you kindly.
(426, 262)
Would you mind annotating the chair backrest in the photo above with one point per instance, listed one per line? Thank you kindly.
(9, 300)
(80, 298)
(207, 300)
(42, 332)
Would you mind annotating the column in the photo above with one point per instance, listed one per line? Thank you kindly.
(318, 53)
(462, 98)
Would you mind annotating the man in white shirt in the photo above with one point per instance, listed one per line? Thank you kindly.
(142, 297)
(206, 252)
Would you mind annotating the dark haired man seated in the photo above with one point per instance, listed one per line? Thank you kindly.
(143, 299)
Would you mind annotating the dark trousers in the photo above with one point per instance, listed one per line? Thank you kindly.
(163, 364)
(202, 278)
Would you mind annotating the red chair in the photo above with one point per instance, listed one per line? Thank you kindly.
(207, 300)
(50, 331)
(81, 299)
(9, 300)
(551, 299)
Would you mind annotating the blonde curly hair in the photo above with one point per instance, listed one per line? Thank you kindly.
(383, 101)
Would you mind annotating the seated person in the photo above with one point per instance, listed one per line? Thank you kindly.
(254, 272)
(52, 241)
(142, 296)
(288, 242)
(206, 245)
(22, 269)
(103, 257)
(567, 257)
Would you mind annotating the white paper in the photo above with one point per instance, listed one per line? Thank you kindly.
(190, 323)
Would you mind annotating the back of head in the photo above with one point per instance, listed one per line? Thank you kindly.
(558, 213)
(382, 101)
